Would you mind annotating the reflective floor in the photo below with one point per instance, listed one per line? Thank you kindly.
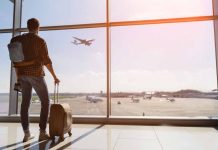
(115, 137)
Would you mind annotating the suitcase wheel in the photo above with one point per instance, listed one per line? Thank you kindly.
(69, 133)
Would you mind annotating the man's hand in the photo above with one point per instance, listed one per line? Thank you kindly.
(56, 80)
(50, 69)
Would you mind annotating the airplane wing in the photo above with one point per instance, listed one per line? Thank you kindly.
(90, 40)
(77, 39)
(75, 42)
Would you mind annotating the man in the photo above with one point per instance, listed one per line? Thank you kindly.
(31, 75)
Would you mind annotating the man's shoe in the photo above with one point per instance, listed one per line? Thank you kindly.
(27, 137)
(43, 136)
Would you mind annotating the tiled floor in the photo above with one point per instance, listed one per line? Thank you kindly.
(115, 137)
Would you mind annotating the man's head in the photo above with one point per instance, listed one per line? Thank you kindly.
(33, 25)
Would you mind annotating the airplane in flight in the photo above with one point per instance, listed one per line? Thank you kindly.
(78, 41)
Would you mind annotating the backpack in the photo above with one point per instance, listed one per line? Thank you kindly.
(17, 56)
(16, 52)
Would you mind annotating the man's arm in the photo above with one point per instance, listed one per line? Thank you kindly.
(51, 70)
(46, 61)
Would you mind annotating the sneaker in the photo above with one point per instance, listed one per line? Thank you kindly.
(43, 136)
(27, 137)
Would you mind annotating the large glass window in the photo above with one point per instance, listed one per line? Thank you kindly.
(164, 70)
(81, 69)
(125, 10)
(5, 73)
(158, 70)
(6, 14)
(54, 12)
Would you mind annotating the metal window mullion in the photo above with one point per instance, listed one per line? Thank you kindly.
(114, 24)
(215, 13)
(13, 101)
(163, 21)
(108, 60)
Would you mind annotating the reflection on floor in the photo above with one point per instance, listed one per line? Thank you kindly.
(115, 137)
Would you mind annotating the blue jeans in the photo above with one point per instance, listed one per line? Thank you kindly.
(39, 85)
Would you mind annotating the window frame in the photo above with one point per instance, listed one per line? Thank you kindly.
(110, 119)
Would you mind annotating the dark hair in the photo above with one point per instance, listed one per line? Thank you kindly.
(32, 24)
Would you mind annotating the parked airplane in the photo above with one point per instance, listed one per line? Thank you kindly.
(215, 90)
(93, 99)
(135, 100)
(170, 99)
(78, 41)
(149, 97)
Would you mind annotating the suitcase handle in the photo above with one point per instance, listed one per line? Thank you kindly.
(56, 92)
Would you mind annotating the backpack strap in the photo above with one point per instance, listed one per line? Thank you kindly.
(24, 63)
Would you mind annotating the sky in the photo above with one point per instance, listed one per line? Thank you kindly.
(164, 57)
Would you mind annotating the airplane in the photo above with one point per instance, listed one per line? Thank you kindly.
(135, 100)
(149, 97)
(93, 99)
(214, 90)
(170, 99)
(78, 41)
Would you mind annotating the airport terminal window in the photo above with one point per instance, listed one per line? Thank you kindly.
(156, 70)
(6, 14)
(126, 10)
(64, 12)
(164, 70)
(81, 69)
(5, 74)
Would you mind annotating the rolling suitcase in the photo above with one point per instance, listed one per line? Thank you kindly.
(60, 119)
